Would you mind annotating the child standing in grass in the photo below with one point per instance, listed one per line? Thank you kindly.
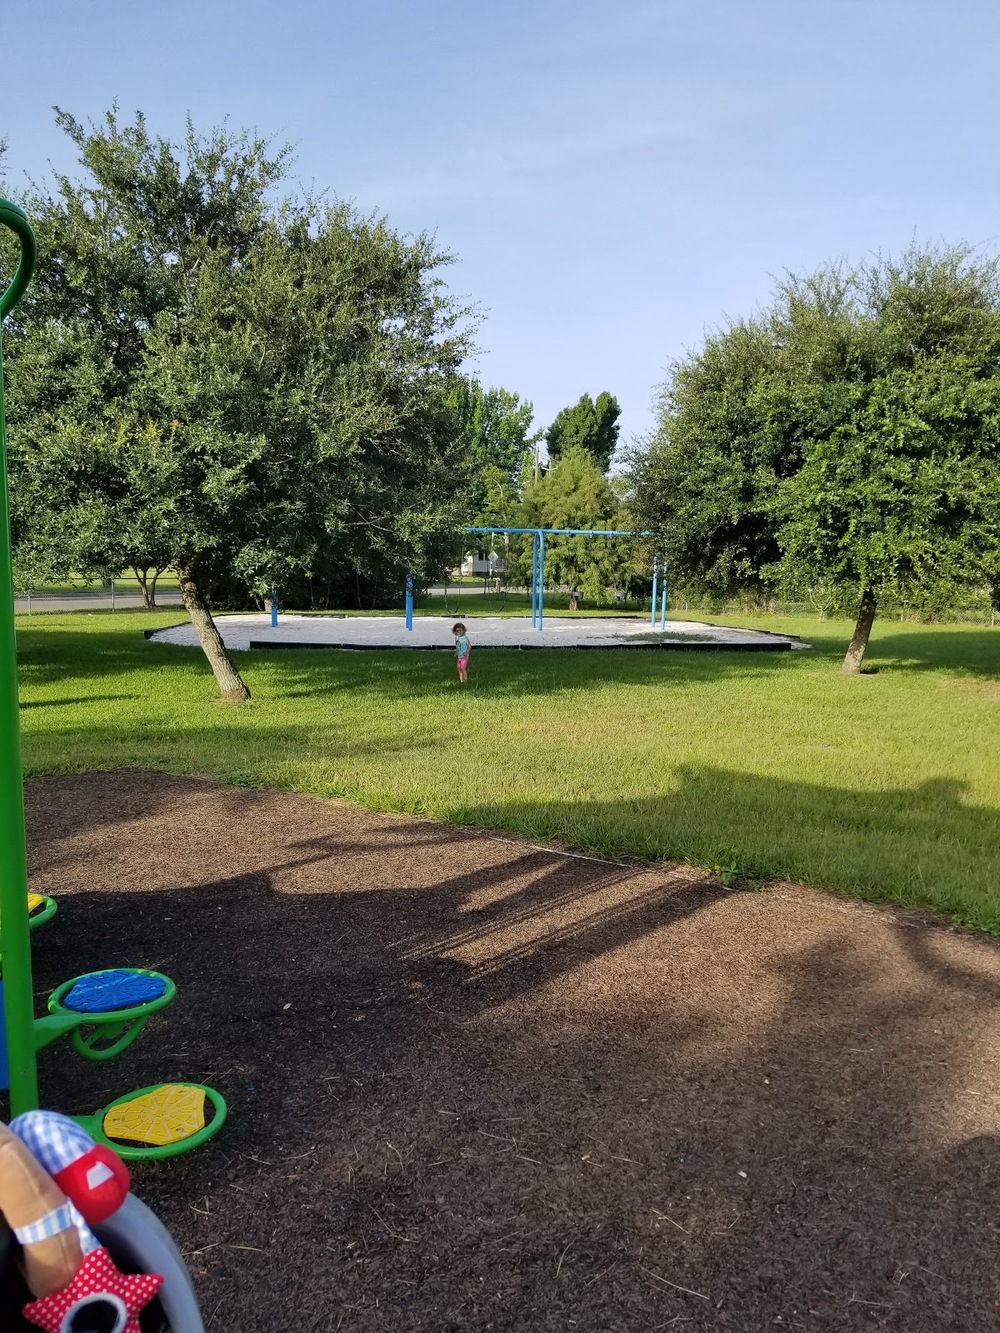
(462, 650)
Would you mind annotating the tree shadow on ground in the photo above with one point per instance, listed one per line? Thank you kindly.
(921, 845)
(85, 701)
(477, 1085)
(399, 673)
(47, 657)
(967, 652)
(78, 656)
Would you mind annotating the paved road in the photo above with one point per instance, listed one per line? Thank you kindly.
(90, 601)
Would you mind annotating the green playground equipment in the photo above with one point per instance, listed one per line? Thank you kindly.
(100, 1013)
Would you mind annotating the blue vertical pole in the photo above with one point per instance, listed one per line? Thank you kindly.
(663, 598)
(274, 610)
(541, 580)
(409, 601)
(534, 579)
(652, 604)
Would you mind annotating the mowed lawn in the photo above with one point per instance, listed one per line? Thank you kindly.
(775, 765)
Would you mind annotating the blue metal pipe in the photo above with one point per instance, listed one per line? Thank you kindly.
(409, 601)
(541, 579)
(538, 562)
(663, 599)
(534, 576)
(274, 610)
(574, 532)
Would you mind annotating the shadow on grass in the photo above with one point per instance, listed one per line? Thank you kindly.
(59, 656)
(83, 700)
(971, 652)
(481, 1086)
(921, 846)
(509, 673)
(56, 657)
(47, 657)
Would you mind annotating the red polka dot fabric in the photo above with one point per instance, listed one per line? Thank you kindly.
(97, 1279)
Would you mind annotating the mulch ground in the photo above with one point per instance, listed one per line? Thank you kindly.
(480, 1085)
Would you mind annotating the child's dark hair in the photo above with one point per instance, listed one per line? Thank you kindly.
(458, 628)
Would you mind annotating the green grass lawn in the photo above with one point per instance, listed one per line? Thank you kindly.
(886, 786)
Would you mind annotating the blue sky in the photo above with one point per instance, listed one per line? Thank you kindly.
(615, 178)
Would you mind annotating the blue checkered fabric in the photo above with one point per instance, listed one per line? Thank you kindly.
(60, 1219)
(55, 1141)
(53, 1138)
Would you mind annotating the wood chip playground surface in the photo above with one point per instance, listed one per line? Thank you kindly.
(318, 631)
(480, 1085)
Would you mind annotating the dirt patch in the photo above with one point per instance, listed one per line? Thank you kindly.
(479, 1085)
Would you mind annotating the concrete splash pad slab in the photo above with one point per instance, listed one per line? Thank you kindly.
(241, 632)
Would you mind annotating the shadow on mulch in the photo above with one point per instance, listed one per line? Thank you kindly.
(479, 1085)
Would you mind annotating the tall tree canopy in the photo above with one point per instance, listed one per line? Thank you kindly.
(205, 378)
(586, 425)
(850, 436)
(497, 442)
(575, 493)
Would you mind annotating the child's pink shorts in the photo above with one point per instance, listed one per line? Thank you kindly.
(462, 662)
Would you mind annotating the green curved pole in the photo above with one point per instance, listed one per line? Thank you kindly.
(15, 943)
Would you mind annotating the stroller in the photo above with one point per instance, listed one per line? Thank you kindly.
(138, 1243)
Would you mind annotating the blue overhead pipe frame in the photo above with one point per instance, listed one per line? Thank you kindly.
(538, 559)
(573, 532)
(274, 610)
(663, 599)
(409, 601)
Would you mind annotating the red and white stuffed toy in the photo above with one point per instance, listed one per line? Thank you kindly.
(54, 1180)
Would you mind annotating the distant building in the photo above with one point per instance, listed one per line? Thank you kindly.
(482, 562)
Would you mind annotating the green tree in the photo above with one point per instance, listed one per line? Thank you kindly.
(575, 493)
(846, 439)
(704, 482)
(495, 426)
(586, 425)
(239, 388)
(900, 492)
(497, 443)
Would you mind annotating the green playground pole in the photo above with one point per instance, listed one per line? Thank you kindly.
(15, 945)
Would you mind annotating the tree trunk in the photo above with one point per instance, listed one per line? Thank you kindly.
(231, 685)
(148, 590)
(856, 652)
